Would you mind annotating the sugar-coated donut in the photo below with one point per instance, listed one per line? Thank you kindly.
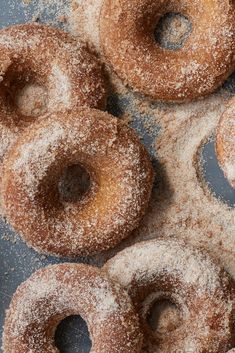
(121, 181)
(225, 143)
(56, 292)
(200, 289)
(198, 68)
(44, 70)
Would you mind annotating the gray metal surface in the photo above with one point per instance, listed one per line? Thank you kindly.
(17, 261)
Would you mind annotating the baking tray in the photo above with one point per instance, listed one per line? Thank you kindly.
(18, 262)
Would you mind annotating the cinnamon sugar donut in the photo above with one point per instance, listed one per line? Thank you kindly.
(198, 68)
(56, 292)
(44, 70)
(199, 288)
(225, 143)
(121, 181)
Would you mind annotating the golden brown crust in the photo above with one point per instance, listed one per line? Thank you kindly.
(197, 69)
(202, 291)
(56, 292)
(119, 167)
(225, 143)
(48, 63)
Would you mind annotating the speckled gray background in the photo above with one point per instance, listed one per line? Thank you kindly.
(17, 261)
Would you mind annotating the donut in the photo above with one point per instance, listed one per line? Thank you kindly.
(127, 37)
(225, 143)
(121, 177)
(58, 291)
(44, 70)
(202, 292)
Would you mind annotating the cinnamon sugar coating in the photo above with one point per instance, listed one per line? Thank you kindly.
(225, 143)
(44, 70)
(198, 68)
(56, 292)
(121, 182)
(202, 291)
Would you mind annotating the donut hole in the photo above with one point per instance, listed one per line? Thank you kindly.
(164, 316)
(172, 31)
(211, 174)
(23, 91)
(72, 336)
(74, 183)
(31, 100)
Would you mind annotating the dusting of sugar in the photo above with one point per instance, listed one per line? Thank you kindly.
(58, 291)
(126, 38)
(192, 280)
(83, 227)
(19, 41)
(55, 10)
(30, 152)
(169, 257)
(32, 100)
(61, 89)
(230, 168)
(66, 75)
(182, 204)
(83, 20)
